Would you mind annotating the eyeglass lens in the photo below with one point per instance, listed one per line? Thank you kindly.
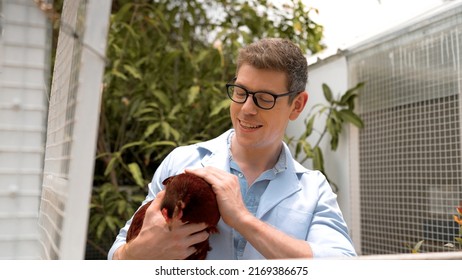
(261, 99)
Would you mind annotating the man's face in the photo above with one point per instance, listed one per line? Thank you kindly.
(257, 128)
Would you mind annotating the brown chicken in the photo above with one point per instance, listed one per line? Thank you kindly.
(189, 198)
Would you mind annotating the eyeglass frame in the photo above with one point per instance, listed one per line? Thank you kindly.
(255, 101)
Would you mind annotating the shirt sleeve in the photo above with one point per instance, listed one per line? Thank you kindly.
(328, 235)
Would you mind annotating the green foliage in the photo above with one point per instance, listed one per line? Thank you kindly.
(456, 246)
(416, 248)
(168, 62)
(337, 112)
(110, 208)
(458, 220)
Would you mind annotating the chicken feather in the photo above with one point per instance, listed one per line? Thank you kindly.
(190, 199)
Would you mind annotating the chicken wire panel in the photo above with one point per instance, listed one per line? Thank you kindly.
(72, 125)
(410, 149)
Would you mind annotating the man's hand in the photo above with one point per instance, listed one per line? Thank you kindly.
(157, 241)
(268, 240)
(228, 191)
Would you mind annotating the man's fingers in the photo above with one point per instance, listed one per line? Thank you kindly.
(155, 204)
(210, 174)
(159, 197)
(198, 237)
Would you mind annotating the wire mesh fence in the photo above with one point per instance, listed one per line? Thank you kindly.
(72, 124)
(410, 160)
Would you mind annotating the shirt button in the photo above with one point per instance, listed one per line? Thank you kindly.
(240, 175)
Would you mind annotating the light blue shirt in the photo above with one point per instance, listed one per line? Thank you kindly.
(297, 201)
(252, 194)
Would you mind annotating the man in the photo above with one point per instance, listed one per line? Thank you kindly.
(271, 206)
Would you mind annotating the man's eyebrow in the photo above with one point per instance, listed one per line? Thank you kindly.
(260, 90)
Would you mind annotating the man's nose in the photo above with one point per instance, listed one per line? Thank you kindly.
(249, 106)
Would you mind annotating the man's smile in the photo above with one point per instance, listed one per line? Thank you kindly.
(247, 125)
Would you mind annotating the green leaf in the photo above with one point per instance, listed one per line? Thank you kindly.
(203, 55)
(110, 222)
(417, 246)
(161, 143)
(459, 240)
(123, 11)
(100, 230)
(95, 221)
(331, 125)
(193, 93)
(150, 129)
(151, 109)
(137, 198)
(119, 74)
(351, 117)
(176, 109)
(163, 98)
(220, 106)
(347, 98)
(350, 95)
(308, 128)
(168, 130)
(176, 134)
(136, 173)
(130, 145)
(121, 206)
(133, 71)
(111, 164)
(327, 93)
(307, 149)
(334, 143)
(130, 30)
(298, 148)
(355, 88)
(318, 159)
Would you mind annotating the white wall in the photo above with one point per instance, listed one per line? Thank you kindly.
(333, 72)
(24, 70)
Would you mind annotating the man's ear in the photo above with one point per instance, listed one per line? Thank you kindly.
(298, 105)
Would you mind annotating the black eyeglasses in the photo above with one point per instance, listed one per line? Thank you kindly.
(262, 99)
